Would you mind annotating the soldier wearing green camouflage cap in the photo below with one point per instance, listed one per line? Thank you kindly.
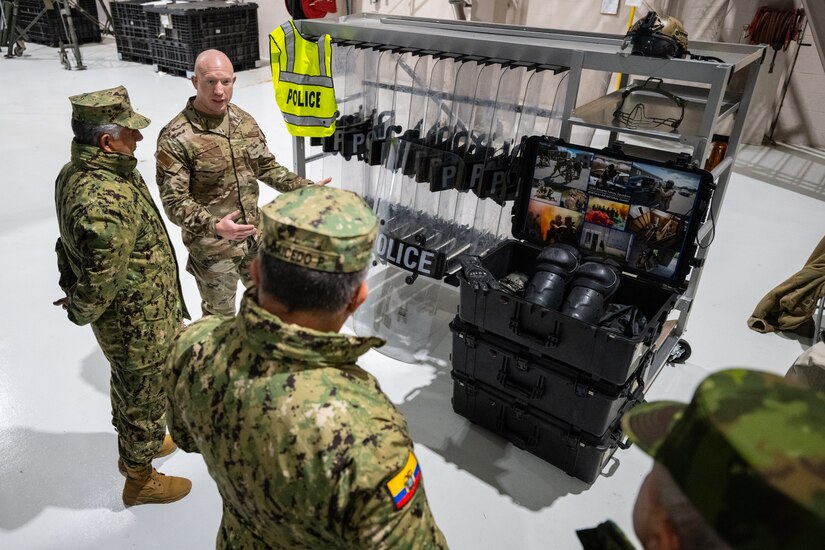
(741, 466)
(305, 448)
(110, 106)
(119, 273)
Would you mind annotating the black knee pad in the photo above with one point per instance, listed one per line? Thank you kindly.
(555, 266)
(595, 283)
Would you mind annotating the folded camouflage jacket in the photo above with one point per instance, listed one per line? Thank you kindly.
(792, 303)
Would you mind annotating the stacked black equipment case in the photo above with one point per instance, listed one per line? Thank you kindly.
(179, 32)
(131, 30)
(552, 384)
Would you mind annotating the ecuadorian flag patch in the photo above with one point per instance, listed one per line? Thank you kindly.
(404, 484)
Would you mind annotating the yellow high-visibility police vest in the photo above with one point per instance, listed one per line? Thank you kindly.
(302, 75)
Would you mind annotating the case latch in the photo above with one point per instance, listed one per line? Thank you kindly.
(697, 262)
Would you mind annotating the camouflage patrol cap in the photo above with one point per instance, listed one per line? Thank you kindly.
(749, 453)
(320, 228)
(109, 106)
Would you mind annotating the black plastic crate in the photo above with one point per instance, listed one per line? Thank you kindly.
(133, 49)
(202, 25)
(600, 353)
(179, 32)
(48, 29)
(575, 452)
(179, 59)
(131, 30)
(129, 19)
(543, 384)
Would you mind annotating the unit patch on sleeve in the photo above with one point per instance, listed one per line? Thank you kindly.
(403, 485)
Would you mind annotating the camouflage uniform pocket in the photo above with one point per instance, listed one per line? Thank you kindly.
(211, 159)
(147, 343)
(209, 170)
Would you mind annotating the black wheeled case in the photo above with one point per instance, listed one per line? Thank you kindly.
(640, 215)
(544, 384)
(575, 452)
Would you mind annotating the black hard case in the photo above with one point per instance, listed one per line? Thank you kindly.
(575, 452)
(544, 384)
(600, 353)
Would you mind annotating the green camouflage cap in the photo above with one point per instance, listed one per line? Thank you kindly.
(749, 452)
(110, 106)
(320, 228)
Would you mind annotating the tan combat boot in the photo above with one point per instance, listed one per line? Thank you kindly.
(146, 485)
(167, 447)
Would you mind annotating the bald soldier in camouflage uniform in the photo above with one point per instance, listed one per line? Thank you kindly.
(741, 466)
(306, 449)
(209, 160)
(118, 270)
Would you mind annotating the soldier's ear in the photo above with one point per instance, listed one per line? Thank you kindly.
(359, 298)
(194, 80)
(105, 143)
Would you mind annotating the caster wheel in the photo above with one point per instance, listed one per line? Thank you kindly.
(680, 353)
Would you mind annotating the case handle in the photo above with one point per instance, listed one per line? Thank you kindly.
(532, 393)
(550, 340)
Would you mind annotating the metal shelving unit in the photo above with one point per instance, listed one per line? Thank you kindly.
(716, 92)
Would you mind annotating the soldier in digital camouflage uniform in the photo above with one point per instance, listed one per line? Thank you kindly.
(119, 274)
(741, 466)
(306, 449)
(209, 160)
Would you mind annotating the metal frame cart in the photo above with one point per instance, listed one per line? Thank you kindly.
(551, 384)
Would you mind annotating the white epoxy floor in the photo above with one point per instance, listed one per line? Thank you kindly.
(59, 486)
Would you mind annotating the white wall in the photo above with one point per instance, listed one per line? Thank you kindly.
(802, 119)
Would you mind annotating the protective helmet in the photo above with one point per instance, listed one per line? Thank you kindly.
(656, 37)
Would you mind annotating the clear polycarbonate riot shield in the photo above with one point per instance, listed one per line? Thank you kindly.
(380, 83)
(342, 63)
(471, 142)
(349, 138)
(541, 111)
(409, 304)
(402, 304)
(357, 127)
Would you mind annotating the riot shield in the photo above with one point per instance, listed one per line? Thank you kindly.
(382, 84)
(401, 305)
(343, 63)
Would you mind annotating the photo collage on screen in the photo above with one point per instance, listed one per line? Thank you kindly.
(633, 212)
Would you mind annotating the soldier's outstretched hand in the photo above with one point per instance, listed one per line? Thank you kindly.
(228, 229)
(324, 181)
(62, 302)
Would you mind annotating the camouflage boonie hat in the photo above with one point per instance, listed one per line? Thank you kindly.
(320, 228)
(110, 106)
(749, 453)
